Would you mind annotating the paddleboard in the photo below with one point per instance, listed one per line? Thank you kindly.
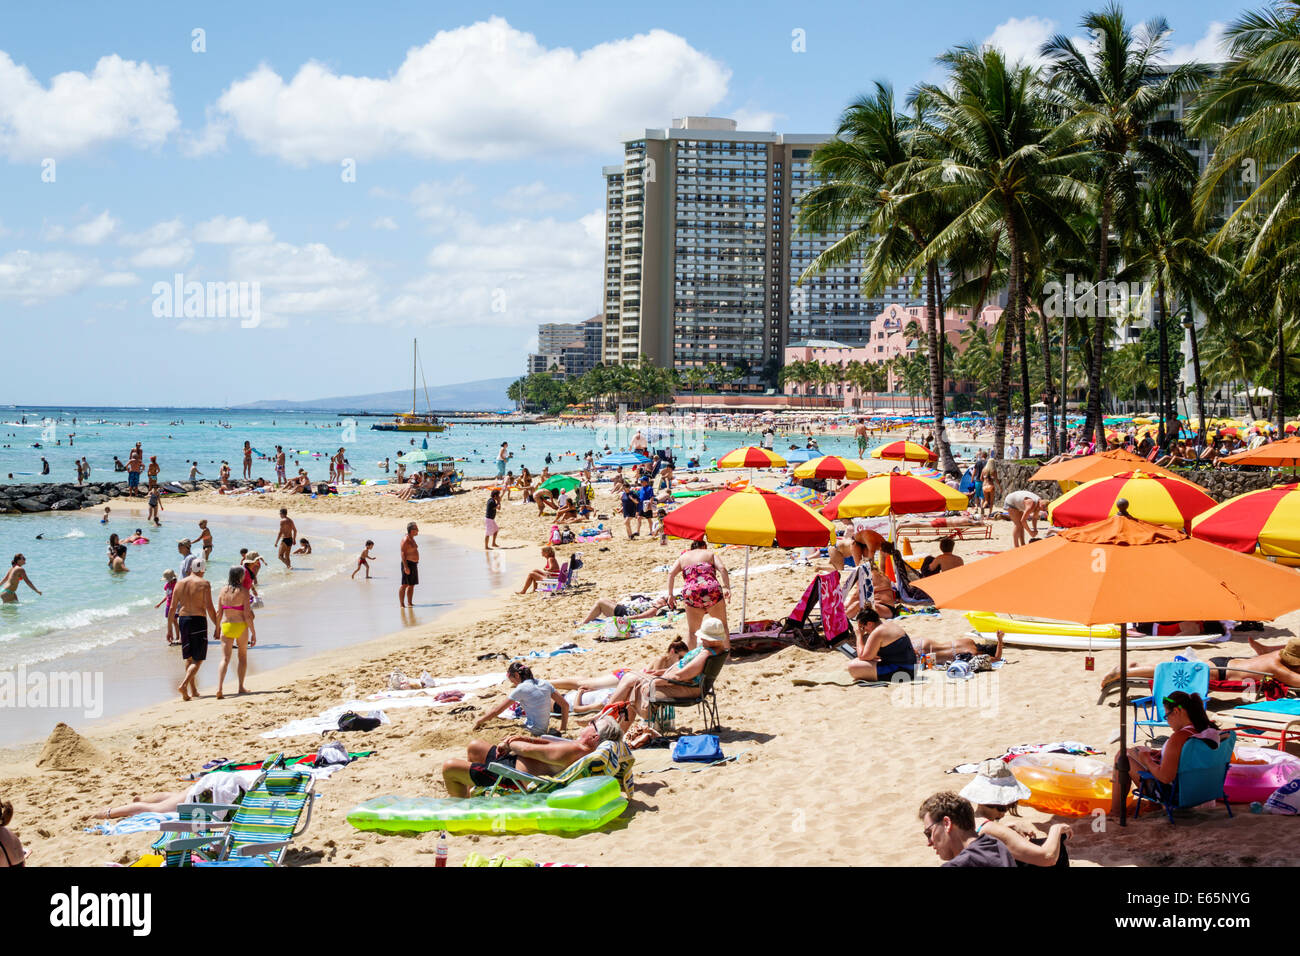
(1073, 642)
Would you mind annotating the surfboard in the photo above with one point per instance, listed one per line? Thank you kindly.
(1073, 642)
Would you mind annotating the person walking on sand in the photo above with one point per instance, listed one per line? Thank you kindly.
(363, 561)
(191, 610)
(15, 576)
(490, 527)
(235, 623)
(285, 538)
(410, 567)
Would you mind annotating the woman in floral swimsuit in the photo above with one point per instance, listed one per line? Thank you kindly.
(707, 588)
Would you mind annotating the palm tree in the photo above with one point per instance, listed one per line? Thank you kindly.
(1113, 93)
(867, 169)
(1005, 164)
(1250, 109)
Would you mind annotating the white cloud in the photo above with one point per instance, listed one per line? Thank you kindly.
(758, 120)
(115, 279)
(35, 277)
(171, 255)
(121, 100)
(1210, 48)
(90, 233)
(386, 223)
(435, 200)
(484, 91)
(157, 234)
(1021, 38)
(512, 274)
(226, 231)
(532, 197)
(304, 281)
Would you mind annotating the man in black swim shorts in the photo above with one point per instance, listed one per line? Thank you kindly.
(410, 565)
(191, 608)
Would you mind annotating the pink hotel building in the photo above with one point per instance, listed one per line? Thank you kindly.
(885, 341)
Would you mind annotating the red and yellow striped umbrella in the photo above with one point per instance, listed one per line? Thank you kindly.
(1267, 520)
(831, 466)
(751, 457)
(1158, 499)
(904, 451)
(753, 517)
(894, 494)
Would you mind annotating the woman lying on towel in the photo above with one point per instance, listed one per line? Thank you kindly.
(655, 668)
(682, 679)
(541, 756)
(638, 607)
(946, 651)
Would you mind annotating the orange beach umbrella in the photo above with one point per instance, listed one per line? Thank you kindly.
(1283, 453)
(1089, 574)
(1101, 465)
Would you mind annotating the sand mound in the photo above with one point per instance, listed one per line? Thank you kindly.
(65, 749)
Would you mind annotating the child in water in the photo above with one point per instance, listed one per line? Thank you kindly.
(103, 520)
(169, 585)
(364, 559)
(304, 546)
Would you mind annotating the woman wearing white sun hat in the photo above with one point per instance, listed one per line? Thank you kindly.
(682, 679)
(995, 791)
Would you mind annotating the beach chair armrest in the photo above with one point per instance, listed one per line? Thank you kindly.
(192, 826)
(518, 776)
(189, 810)
(258, 849)
(193, 843)
(1143, 701)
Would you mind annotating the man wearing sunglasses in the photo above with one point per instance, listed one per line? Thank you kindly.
(948, 821)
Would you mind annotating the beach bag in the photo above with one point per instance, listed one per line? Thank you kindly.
(697, 748)
(556, 537)
(1285, 799)
(354, 721)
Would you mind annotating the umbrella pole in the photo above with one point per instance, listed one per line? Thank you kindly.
(1122, 778)
(744, 595)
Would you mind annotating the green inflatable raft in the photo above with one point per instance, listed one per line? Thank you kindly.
(586, 804)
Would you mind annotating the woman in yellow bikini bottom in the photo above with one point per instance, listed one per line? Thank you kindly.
(235, 619)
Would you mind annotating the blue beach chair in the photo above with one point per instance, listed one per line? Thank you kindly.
(1201, 772)
(1193, 677)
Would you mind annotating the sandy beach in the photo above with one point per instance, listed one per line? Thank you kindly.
(823, 775)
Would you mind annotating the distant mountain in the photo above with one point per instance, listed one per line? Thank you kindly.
(485, 395)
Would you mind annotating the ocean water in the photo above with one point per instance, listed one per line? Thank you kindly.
(102, 629)
(208, 436)
(85, 606)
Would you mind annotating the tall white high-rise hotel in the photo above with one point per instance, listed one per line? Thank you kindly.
(702, 256)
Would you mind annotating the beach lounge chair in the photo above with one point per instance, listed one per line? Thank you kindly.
(610, 759)
(1190, 676)
(1268, 721)
(559, 584)
(263, 825)
(707, 698)
(1201, 772)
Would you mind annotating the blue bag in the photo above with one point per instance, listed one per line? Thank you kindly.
(697, 748)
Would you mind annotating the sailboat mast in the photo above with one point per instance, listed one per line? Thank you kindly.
(414, 359)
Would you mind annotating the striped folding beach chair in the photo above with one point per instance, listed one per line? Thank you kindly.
(263, 826)
(610, 759)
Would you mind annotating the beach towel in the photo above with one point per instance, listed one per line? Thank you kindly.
(1287, 705)
(288, 761)
(824, 589)
(139, 823)
(327, 720)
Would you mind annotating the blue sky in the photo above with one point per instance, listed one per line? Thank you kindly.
(476, 133)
